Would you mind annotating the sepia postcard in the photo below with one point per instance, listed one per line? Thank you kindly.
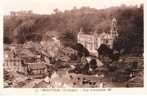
(72, 46)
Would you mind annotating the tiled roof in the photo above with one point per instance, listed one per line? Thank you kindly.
(27, 53)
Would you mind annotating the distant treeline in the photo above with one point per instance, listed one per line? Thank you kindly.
(130, 25)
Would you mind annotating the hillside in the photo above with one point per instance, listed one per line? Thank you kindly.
(21, 29)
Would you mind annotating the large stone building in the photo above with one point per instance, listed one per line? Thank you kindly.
(93, 42)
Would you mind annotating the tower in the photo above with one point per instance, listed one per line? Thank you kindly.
(114, 29)
(113, 32)
(81, 30)
(95, 43)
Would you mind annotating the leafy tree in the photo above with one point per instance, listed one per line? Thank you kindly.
(67, 39)
(82, 51)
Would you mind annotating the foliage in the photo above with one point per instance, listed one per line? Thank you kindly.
(130, 25)
(67, 39)
(82, 51)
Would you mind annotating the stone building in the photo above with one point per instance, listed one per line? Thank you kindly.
(11, 61)
(93, 42)
(37, 70)
(22, 61)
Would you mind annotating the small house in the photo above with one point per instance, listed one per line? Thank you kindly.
(37, 70)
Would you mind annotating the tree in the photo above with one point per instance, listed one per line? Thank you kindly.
(67, 39)
(24, 31)
(105, 51)
(82, 51)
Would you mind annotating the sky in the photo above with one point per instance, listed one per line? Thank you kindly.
(47, 6)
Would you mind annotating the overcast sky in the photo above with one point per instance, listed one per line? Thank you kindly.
(47, 6)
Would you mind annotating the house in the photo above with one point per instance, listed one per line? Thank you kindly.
(93, 42)
(31, 52)
(19, 60)
(11, 61)
(37, 70)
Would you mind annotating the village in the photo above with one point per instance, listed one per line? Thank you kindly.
(92, 63)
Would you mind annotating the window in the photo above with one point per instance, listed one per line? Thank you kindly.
(105, 41)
